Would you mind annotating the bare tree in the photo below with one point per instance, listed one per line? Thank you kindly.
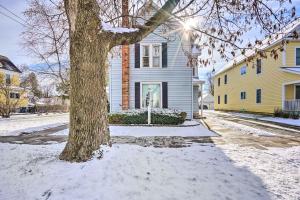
(210, 82)
(93, 32)
(11, 95)
(46, 38)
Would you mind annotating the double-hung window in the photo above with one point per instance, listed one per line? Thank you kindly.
(297, 56)
(258, 96)
(151, 55)
(225, 79)
(7, 79)
(258, 66)
(151, 94)
(225, 99)
(243, 95)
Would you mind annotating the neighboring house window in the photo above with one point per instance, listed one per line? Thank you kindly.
(225, 99)
(219, 81)
(297, 56)
(219, 99)
(243, 95)
(243, 70)
(7, 79)
(258, 96)
(146, 56)
(13, 95)
(225, 79)
(151, 93)
(151, 56)
(258, 66)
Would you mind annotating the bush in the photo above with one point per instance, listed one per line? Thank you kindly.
(286, 115)
(278, 112)
(158, 116)
(294, 115)
(51, 108)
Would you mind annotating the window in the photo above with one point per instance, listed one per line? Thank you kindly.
(297, 56)
(243, 70)
(151, 56)
(258, 96)
(243, 95)
(145, 56)
(258, 66)
(156, 55)
(151, 93)
(7, 79)
(225, 79)
(219, 99)
(225, 99)
(297, 95)
(13, 95)
(219, 81)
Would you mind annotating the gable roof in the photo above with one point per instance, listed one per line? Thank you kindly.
(268, 42)
(6, 64)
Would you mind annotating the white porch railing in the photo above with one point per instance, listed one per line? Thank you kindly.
(292, 105)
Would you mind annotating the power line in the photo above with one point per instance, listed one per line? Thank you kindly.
(12, 13)
(12, 19)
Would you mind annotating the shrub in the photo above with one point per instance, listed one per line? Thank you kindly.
(294, 115)
(285, 115)
(158, 116)
(278, 112)
(51, 108)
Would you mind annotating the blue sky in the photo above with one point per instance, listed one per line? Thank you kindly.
(10, 35)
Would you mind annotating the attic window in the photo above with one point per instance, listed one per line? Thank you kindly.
(1, 65)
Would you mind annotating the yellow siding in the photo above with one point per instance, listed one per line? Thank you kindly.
(289, 92)
(270, 81)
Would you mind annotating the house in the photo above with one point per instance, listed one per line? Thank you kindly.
(208, 101)
(159, 67)
(263, 83)
(11, 94)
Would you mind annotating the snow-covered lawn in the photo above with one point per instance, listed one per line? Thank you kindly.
(141, 131)
(133, 172)
(27, 123)
(293, 122)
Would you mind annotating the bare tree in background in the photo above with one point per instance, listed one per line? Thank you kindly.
(210, 82)
(92, 35)
(46, 38)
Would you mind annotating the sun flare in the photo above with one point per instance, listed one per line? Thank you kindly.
(189, 24)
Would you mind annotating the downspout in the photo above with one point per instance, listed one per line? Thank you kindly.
(192, 105)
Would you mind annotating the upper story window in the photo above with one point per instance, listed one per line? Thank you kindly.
(297, 56)
(7, 79)
(225, 79)
(151, 55)
(243, 70)
(219, 81)
(13, 95)
(258, 66)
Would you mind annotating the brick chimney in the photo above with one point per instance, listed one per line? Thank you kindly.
(125, 59)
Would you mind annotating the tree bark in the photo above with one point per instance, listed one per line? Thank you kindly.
(88, 108)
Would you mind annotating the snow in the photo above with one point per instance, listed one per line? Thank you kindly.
(27, 123)
(142, 131)
(108, 27)
(130, 172)
(293, 122)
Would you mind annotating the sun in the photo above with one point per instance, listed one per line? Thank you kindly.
(189, 24)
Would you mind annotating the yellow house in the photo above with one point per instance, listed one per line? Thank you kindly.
(11, 94)
(262, 84)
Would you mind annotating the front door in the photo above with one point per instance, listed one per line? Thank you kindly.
(297, 92)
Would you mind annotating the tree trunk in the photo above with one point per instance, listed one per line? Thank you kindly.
(88, 108)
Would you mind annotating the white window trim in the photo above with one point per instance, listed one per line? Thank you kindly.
(295, 54)
(141, 92)
(150, 55)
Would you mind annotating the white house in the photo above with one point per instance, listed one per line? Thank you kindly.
(160, 64)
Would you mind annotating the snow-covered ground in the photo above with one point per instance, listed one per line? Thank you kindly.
(132, 172)
(141, 131)
(27, 123)
(293, 122)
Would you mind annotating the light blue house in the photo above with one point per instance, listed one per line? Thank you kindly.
(160, 63)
